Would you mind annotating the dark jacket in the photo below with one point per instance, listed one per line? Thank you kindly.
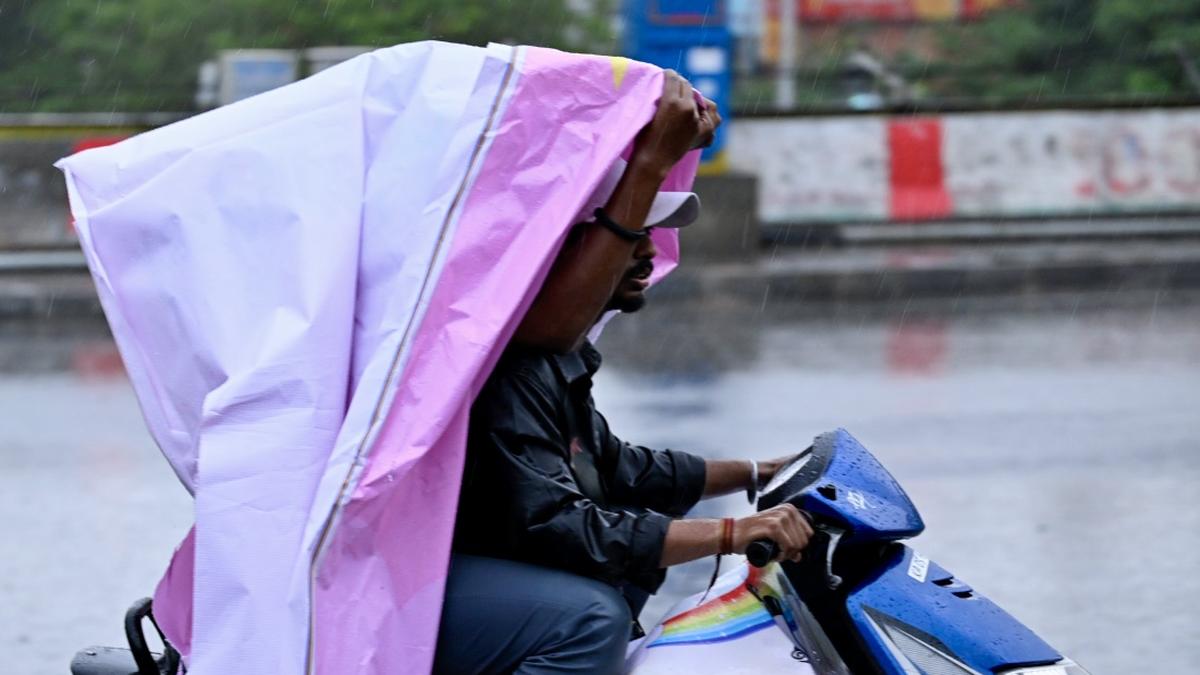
(546, 482)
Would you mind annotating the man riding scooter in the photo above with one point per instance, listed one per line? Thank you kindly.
(324, 511)
(563, 529)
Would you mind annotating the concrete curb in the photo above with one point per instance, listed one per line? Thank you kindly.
(56, 284)
(888, 274)
(48, 295)
(46, 260)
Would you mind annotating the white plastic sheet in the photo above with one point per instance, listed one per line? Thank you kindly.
(308, 287)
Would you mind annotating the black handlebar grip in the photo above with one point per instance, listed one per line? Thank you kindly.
(761, 551)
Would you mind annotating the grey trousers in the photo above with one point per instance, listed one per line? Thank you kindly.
(501, 616)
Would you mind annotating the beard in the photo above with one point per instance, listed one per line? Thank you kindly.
(629, 296)
(628, 302)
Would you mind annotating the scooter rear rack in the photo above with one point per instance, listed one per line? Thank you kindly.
(137, 659)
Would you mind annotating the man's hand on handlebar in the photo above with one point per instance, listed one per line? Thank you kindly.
(783, 524)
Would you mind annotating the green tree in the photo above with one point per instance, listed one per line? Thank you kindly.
(1073, 48)
(142, 55)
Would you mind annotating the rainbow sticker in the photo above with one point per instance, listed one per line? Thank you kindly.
(726, 617)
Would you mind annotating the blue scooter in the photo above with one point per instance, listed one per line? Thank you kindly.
(860, 602)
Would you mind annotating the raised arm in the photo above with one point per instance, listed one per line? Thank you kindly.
(587, 271)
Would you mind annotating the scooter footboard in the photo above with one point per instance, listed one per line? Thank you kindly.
(915, 616)
(728, 629)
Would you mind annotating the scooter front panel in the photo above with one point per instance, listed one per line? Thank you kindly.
(856, 489)
(841, 483)
(916, 614)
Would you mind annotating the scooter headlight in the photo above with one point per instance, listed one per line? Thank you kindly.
(926, 657)
(916, 653)
(1064, 667)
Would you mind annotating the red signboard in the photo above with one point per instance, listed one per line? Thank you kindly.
(835, 11)
(856, 10)
(974, 8)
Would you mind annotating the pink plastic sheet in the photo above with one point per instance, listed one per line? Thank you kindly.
(308, 288)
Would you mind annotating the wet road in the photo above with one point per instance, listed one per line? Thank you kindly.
(1053, 449)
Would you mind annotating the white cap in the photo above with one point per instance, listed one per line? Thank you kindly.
(670, 209)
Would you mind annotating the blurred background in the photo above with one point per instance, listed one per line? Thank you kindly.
(966, 230)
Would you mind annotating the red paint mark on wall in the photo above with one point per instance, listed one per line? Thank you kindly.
(917, 179)
(95, 142)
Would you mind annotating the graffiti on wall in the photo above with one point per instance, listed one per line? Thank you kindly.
(1072, 162)
(972, 165)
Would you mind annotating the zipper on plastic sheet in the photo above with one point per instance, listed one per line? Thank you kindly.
(429, 283)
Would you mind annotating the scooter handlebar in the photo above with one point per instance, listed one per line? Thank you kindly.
(762, 551)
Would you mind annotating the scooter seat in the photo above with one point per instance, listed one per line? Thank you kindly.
(107, 661)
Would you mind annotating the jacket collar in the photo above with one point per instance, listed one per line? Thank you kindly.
(579, 364)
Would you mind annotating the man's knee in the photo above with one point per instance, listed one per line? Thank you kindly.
(589, 637)
(606, 612)
(533, 619)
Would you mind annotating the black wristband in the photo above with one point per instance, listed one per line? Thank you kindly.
(616, 228)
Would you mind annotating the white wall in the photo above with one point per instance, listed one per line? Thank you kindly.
(994, 164)
(813, 167)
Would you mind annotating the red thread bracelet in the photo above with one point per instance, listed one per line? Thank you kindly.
(726, 536)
